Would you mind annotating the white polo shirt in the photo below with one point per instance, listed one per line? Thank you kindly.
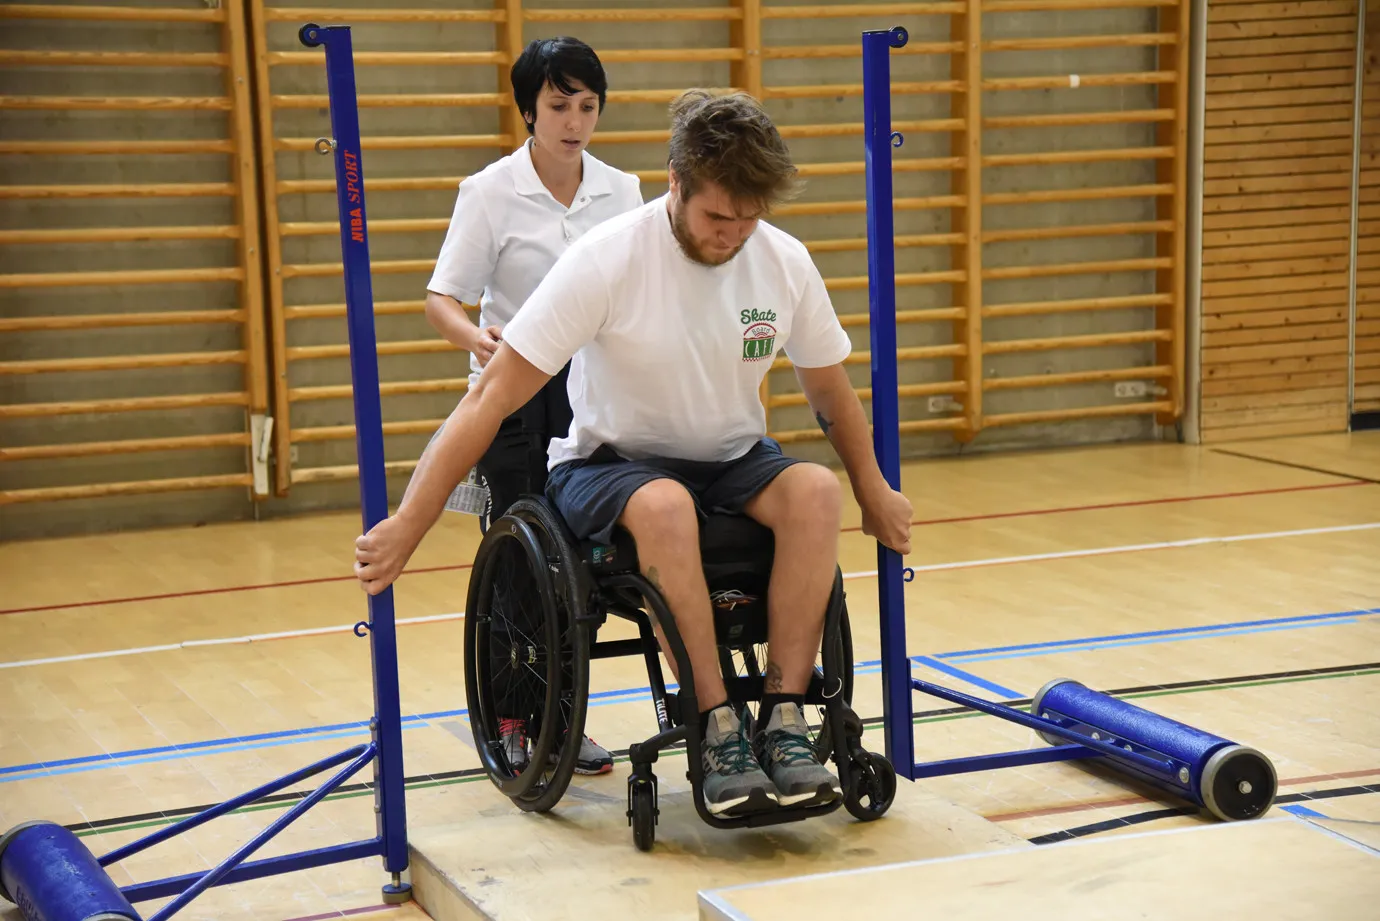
(508, 230)
(672, 352)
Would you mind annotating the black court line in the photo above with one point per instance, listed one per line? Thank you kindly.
(623, 752)
(1355, 477)
(1140, 818)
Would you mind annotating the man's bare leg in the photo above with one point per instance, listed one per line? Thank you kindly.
(662, 520)
(803, 508)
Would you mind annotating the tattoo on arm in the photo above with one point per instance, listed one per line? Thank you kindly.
(824, 424)
(773, 678)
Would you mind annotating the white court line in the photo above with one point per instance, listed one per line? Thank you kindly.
(868, 574)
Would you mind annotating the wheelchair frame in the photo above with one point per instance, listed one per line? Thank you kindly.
(575, 602)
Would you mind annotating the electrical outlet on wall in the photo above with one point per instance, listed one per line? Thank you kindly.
(944, 404)
(294, 453)
(1129, 389)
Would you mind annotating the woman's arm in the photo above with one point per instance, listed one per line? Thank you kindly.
(449, 318)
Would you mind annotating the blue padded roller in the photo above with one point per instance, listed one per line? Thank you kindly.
(1231, 781)
(51, 876)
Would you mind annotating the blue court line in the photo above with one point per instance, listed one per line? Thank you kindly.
(600, 698)
(969, 677)
(1116, 638)
(1303, 811)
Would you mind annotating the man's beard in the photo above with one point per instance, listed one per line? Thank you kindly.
(687, 245)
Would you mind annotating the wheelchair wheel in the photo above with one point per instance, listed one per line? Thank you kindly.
(871, 786)
(642, 811)
(526, 658)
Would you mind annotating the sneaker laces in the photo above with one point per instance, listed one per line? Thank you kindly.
(791, 747)
(517, 728)
(734, 753)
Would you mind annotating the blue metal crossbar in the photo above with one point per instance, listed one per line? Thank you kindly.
(385, 749)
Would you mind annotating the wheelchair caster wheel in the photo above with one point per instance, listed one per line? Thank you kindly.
(871, 786)
(642, 811)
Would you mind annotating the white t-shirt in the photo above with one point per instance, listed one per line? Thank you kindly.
(508, 230)
(672, 352)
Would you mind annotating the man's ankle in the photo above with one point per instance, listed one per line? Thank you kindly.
(771, 701)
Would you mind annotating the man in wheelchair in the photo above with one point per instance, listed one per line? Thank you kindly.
(672, 314)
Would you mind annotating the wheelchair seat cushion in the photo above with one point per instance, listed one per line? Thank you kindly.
(731, 546)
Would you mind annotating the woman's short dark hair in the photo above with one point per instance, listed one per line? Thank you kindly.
(556, 61)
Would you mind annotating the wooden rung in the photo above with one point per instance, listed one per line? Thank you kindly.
(342, 432)
(415, 142)
(125, 405)
(1079, 156)
(112, 234)
(1070, 415)
(1028, 6)
(88, 148)
(413, 347)
(1062, 42)
(387, 184)
(911, 279)
(1077, 230)
(117, 320)
(328, 228)
(933, 315)
(391, 58)
(301, 14)
(1066, 119)
(121, 103)
(1096, 194)
(671, 55)
(10, 58)
(911, 427)
(349, 472)
(905, 391)
(1036, 308)
(128, 277)
(1097, 340)
(914, 353)
(1156, 372)
(126, 446)
(395, 100)
(109, 13)
(904, 241)
(682, 14)
(807, 52)
(378, 267)
(833, 129)
(381, 309)
(122, 362)
(113, 190)
(134, 488)
(1141, 78)
(860, 207)
(388, 389)
(656, 96)
(850, 10)
(1077, 268)
(856, 89)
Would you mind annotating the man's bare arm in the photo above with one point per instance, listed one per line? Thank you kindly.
(507, 383)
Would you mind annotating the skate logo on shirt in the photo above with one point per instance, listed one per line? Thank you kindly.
(759, 337)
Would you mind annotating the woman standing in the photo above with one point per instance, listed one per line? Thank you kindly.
(512, 221)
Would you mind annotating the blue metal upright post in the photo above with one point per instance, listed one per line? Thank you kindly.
(886, 435)
(373, 486)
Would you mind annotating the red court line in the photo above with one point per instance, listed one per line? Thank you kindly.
(1133, 800)
(921, 523)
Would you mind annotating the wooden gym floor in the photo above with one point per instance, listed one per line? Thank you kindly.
(1234, 588)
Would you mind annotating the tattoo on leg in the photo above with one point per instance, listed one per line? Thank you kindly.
(773, 678)
(652, 577)
(824, 424)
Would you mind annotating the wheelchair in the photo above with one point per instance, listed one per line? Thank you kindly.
(537, 599)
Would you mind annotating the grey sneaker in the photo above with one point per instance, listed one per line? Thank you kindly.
(784, 748)
(734, 783)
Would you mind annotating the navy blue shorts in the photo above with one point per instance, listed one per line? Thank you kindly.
(592, 493)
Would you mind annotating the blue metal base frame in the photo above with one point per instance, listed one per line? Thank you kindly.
(25, 856)
(1233, 782)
